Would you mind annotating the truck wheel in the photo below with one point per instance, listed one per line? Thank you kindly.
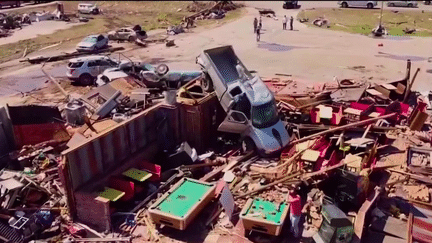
(391, 5)
(86, 79)
(206, 83)
(410, 5)
(162, 69)
(247, 145)
(344, 5)
(369, 5)
(131, 39)
(427, 2)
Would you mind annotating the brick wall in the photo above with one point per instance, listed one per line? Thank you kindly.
(93, 211)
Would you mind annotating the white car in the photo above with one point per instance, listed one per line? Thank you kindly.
(127, 33)
(92, 43)
(86, 69)
(88, 8)
(363, 4)
(409, 4)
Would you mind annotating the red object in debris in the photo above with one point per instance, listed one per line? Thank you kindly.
(76, 231)
(152, 168)
(125, 186)
(380, 44)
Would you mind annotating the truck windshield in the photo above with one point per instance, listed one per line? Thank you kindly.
(265, 115)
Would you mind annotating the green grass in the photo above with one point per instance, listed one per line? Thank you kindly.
(150, 15)
(362, 21)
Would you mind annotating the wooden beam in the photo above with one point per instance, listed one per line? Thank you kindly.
(268, 185)
(354, 124)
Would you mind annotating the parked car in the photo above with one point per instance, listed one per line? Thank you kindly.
(290, 4)
(10, 4)
(92, 43)
(363, 4)
(88, 8)
(86, 69)
(127, 33)
(409, 4)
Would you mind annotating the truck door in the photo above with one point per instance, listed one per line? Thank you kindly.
(235, 122)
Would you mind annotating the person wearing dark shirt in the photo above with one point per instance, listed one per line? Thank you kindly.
(255, 24)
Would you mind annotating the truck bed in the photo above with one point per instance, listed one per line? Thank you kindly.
(225, 61)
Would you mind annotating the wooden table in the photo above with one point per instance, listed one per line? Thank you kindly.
(111, 194)
(136, 174)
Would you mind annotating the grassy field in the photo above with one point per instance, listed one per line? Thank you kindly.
(150, 15)
(362, 21)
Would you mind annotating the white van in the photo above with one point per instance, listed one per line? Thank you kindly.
(362, 4)
(88, 8)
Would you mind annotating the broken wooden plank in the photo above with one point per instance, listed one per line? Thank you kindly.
(423, 179)
(354, 124)
(361, 215)
(268, 185)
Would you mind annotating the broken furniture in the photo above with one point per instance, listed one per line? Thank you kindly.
(335, 228)
(326, 115)
(9, 189)
(182, 203)
(264, 216)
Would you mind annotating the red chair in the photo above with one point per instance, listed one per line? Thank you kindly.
(152, 168)
(122, 185)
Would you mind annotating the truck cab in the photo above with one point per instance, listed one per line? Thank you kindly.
(249, 104)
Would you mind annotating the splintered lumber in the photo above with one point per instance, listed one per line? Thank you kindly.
(268, 185)
(227, 167)
(277, 171)
(361, 215)
(423, 179)
(354, 124)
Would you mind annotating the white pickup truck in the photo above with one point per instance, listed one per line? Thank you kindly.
(249, 104)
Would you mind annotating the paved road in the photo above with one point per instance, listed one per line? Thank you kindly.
(25, 6)
(309, 54)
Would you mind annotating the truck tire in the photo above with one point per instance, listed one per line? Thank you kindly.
(206, 83)
(162, 69)
(86, 79)
(369, 5)
(344, 5)
(410, 5)
(427, 2)
(247, 145)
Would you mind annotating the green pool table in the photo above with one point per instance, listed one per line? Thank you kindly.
(264, 216)
(179, 206)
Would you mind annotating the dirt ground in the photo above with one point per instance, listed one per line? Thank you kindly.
(308, 54)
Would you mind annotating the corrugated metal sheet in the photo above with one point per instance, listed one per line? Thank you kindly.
(106, 151)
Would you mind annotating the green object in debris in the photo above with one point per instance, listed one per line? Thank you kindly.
(266, 210)
(183, 198)
(111, 194)
(136, 174)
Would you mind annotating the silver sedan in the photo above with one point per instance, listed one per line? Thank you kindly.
(409, 4)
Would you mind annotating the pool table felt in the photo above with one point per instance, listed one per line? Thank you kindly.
(267, 209)
(183, 198)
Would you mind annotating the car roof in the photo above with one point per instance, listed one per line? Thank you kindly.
(88, 58)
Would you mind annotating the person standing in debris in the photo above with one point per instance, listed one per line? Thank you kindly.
(255, 24)
(295, 210)
(284, 22)
(291, 22)
(258, 33)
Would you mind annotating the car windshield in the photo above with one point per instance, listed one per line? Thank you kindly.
(90, 39)
(265, 115)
